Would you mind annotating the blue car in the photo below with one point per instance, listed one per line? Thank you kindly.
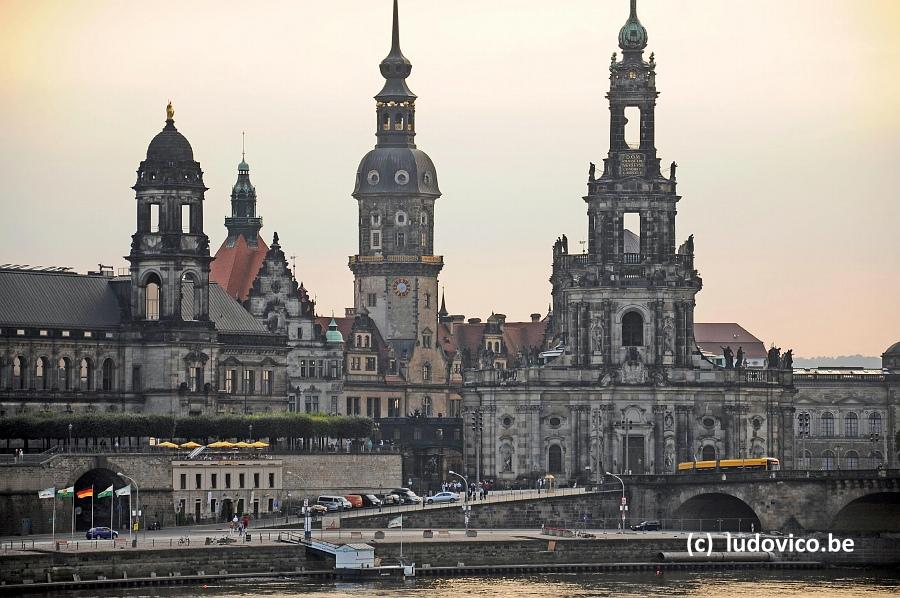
(101, 533)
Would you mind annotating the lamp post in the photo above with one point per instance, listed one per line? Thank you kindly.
(70, 438)
(466, 499)
(624, 506)
(251, 433)
(137, 502)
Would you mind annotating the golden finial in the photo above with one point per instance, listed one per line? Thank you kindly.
(170, 112)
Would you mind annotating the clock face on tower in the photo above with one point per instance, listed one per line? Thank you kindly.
(401, 287)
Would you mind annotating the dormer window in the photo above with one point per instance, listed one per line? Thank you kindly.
(376, 218)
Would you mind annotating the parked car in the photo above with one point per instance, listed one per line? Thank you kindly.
(101, 533)
(407, 496)
(314, 509)
(334, 503)
(646, 526)
(370, 500)
(388, 499)
(355, 500)
(442, 497)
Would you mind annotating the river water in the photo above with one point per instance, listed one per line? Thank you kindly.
(750, 584)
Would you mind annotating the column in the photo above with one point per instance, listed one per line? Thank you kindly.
(659, 442)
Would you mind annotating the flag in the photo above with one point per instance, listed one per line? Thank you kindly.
(47, 493)
(396, 522)
(86, 493)
(125, 491)
(66, 492)
(106, 493)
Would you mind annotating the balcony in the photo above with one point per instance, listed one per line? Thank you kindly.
(631, 258)
(396, 259)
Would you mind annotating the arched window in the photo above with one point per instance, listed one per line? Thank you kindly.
(827, 461)
(62, 374)
(632, 330)
(827, 424)
(851, 425)
(85, 374)
(708, 453)
(109, 373)
(876, 458)
(875, 423)
(188, 288)
(803, 424)
(152, 293)
(398, 121)
(42, 374)
(18, 375)
(852, 458)
(805, 460)
(426, 406)
(386, 122)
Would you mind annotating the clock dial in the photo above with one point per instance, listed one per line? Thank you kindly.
(401, 287)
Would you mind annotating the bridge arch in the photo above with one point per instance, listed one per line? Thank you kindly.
(878, 512)
(100, 478)
(717, 511)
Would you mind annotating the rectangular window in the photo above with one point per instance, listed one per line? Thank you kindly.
(136, 378)
(427, 299)
(154, 218)
(424, 239)
(88, 334)
(212, 506)
(198, 481)
(401, 239)
(426, 341)
(195, 380)
(212, 480)
(249, 381)
(426, 373)
(312, 403)
(355, 363)
(334, 405)
(312, 368)
(335, 368)
(393, 407)
(43, 333)
(453, 408)
(353, 405)
(370, 364)
(321, 368)
(240, 480)
(267, 382)
(228, 480)
(185, 218)
(256, 480)
(182, 481)
(229, 381)
(392, 366)
(426, 406)
(271, 480)
(376, 239)
(376, 219)
(373, 407)
(65, 333)
(372, 300)
(303, 368)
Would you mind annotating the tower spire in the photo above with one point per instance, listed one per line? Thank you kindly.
(243, 147)
(395, 31)
(396, 102)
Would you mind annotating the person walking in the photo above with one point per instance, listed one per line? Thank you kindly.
(234, 523)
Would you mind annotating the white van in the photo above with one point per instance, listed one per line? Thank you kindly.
(334, 503)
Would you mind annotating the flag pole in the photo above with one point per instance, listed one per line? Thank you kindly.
(53, 533)
(73, 511)
(112, 502)
(92, 505)
(130, 524)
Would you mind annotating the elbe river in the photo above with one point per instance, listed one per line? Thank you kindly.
(755, 584)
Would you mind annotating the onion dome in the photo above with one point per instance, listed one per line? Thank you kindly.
(633, 36)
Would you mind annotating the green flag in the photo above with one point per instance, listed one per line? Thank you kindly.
(106, 493)
(66, 492)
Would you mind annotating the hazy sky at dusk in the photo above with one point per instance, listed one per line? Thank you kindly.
(782, 115)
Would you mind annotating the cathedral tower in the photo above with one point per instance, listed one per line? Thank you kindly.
(629, 301)
(169, 251)
(395, 270)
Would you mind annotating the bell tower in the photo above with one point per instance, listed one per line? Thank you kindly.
(396, 271)
(169, 250)
(629, 300)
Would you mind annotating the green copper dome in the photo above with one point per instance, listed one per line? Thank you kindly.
(333, 335)
(633, 36)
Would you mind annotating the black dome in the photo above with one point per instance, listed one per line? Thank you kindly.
(393, 170)
(169, 145)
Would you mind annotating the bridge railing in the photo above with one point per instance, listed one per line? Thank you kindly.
(746, 476)
(30, 458)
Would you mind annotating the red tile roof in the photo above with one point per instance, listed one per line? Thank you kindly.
(235, 268)
(712, 337)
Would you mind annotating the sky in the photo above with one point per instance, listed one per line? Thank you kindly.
(782, 115)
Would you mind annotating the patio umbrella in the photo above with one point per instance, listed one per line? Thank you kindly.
(191, 445)
(220, 444)
(259, 444)
(168, 444)
(241, 444)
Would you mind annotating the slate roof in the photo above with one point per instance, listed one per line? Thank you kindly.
(711, 337)
(71, 300)
(235, 268)
(57, 300)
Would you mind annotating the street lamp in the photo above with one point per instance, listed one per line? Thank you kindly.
(624, 505)
(466, 499)
(251, 433)
(137, 502)
(70, 438)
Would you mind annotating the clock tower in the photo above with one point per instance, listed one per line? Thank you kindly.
(395, 271)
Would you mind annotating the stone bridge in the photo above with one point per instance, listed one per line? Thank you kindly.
(789, 501)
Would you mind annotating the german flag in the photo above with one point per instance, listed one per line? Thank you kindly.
(86, 493)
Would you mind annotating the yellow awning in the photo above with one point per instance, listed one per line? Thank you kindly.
(168, 444)
(241, 444)
(260, 444)
(220, 444)
(191, 445)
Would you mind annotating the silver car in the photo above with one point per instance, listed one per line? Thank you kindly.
(442, 497)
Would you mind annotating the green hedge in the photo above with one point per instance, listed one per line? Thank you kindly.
(115, 425)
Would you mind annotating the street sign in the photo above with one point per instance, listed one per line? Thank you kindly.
(624, 501)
